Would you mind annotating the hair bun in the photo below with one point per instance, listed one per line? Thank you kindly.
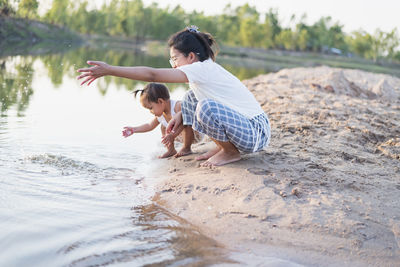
(209, 38)
(190, 39)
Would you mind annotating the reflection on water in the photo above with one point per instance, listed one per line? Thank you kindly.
(17, 72)
(15, 83)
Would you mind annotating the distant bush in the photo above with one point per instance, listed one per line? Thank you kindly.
(5, 8)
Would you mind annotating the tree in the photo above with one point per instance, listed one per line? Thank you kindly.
(58, 13)
(205, 23)
(239, 26)
(397, 56)
(337, 37)
(390, 42)
(80, 15)
(228, 26)
(302, 38)
(270, 29)
(360, 43)
(250, 30)
(378, 44)
(28, 8)
(110, 17)
(139, 20)
(5, 8)
(285, 40)
(160, 22)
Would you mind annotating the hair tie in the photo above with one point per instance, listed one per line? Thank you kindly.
(138, 91)
(193, 28)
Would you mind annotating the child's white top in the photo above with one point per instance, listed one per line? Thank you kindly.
(162, 119)
(209, 80)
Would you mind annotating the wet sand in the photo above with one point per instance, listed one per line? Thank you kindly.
(325, 191)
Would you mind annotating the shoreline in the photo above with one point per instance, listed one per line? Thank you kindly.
(21, 36)
(325, 191)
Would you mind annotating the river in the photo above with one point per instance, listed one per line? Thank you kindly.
(73, 191)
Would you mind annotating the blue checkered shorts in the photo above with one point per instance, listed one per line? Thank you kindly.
(224, 124)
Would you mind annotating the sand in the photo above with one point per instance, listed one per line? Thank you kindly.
(327, 189)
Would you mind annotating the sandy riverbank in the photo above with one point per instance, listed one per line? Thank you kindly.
(327, 189)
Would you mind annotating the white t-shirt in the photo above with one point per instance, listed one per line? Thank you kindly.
(209, 80)
(162, 119)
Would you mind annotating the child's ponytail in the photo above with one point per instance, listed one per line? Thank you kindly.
(152, 92)
(141, 91)
(192, 40)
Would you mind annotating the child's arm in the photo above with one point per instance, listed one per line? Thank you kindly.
(147, 127)
(177, 127)
(141, 73)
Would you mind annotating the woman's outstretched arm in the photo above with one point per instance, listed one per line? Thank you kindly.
(147, 74)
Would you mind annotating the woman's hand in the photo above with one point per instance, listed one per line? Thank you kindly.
(168, 140)
(174, 123)
(128, 131)
(98, 70)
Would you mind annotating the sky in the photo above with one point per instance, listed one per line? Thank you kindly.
(352, 14)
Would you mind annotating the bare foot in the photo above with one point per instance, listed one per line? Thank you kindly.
(209, 154)
(168, 154)
(221, 158)
(183, 152)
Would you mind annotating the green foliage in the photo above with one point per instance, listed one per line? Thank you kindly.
(379, 45)
(271, 29)
(59, 13)
(285, 40)
(228, 27)
(390, 41)
(302, 38)
(360, 43)
(240, 26)
(5, 8)
(15, 90)
(250, 29)
(397, 56)
(28, 8)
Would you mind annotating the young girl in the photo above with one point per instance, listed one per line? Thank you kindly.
(155, 97)
(217, 105)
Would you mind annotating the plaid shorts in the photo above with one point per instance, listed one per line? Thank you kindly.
(224, 124)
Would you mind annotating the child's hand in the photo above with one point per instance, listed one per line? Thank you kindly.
(168, 140)
(128, 131)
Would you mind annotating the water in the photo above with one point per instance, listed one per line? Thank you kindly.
(73, 191)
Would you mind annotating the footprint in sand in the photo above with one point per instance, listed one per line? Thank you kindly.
(186, 159)
(250, 196)
(258, 171)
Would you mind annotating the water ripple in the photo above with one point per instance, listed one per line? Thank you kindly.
(69, 167)
(162, 239)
